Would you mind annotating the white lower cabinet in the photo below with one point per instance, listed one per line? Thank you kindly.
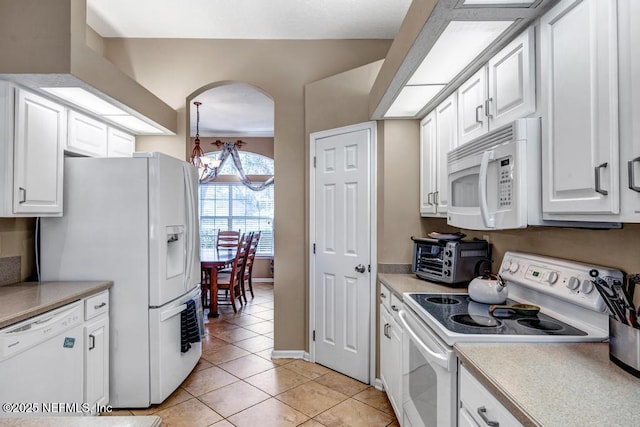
(478, 407)
(96, 352)
(391, 349)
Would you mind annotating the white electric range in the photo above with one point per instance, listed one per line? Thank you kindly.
(571, 310)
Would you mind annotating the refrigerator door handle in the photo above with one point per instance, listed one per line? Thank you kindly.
(172, 312)
(190, 217)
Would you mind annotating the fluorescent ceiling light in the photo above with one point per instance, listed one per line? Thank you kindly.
(84, 99)
(411, 99)
(458, 45)
(497, 2)
(134, 124)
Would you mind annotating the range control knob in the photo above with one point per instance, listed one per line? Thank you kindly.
(587, 286)
(553, 278)
(574, 283)
(506, 265)
(514, 267)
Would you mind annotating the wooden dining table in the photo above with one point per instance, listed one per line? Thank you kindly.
(211, 260)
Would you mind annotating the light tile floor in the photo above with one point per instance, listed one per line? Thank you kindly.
(236, 383)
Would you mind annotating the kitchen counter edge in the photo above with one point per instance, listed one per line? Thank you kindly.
(23, 300)
(401, 283)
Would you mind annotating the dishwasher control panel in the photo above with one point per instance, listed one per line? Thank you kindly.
(28, 333)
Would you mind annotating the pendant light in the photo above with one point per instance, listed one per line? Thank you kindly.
(205, 164)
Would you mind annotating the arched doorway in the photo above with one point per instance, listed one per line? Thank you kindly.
(241, 115)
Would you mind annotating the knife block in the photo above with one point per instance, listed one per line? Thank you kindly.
(624, 346)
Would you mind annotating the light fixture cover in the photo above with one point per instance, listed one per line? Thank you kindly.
(411, 99)
(85, 99)
(133, 123)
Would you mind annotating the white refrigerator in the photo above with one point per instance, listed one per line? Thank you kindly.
(133, 221)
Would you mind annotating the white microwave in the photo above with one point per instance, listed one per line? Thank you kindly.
(494, 181)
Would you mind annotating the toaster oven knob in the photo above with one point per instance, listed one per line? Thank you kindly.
(574, 283)
(447, 273)
(448, 253)
(587, 286)
(447, 263)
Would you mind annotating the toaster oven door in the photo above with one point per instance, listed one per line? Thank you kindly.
(428, 260)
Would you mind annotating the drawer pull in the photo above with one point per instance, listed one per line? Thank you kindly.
(394, 307)
(102, 304)
(92, 342)
(597, 172)
(632, 178)
(478, 108)
(482, 411)
(383, 296)
(23, 191)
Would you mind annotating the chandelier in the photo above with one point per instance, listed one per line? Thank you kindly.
(206, 165)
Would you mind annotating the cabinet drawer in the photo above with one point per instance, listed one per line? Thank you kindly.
(385, 296)
(96, 305)
(395, 306)
(476, 400)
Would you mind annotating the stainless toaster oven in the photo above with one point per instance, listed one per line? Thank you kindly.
(450, 261)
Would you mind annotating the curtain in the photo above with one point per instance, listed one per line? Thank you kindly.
(230, 149)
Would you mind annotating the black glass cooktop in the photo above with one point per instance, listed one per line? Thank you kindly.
(459, 314)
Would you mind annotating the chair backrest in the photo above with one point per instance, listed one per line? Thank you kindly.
(227, 239)
(253, 247)
(241, 255)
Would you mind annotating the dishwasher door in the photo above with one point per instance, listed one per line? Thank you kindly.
(41, 364)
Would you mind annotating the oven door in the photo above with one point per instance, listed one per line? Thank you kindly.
(486, 189)
(429, 376)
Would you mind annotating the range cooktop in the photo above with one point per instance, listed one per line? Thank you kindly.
(461, 315)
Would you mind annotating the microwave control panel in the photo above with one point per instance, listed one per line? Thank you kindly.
(506, 183)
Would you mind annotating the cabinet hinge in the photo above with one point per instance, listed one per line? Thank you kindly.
(314, 248)
(314, 335)
(314, 161)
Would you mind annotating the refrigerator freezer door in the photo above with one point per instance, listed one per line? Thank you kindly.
(169, 235)
(169, 366)
(192, 277)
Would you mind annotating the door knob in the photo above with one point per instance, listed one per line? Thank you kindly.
(360, 268)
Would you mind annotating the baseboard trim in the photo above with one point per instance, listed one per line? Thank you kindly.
(288, 354)
(378, 384)
(263, 280)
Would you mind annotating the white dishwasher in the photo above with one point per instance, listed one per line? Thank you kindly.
(41, 363)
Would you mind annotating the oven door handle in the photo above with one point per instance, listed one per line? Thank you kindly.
(489, 220)
(438, 358)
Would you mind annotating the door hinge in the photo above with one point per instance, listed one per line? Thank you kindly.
(314, 161)
(314, 335)
(369, 268)
(314, 248)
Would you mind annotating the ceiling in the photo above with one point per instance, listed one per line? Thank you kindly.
(237, 109)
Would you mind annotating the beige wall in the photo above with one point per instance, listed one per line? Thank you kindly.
(16, 239)
(175, 69)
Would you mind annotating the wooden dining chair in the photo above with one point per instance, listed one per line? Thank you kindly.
(248, 265)
(231, 281)
(227, 239)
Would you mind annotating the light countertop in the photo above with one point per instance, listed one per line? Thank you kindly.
(553, 385)
(400, 283)
(23, 300)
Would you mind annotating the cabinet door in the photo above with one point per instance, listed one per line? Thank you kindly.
(427, 164)
(96, 386)
(40, 132)
(120, 144)
(385, 348)
(395, 378)
(580, 163)
(465, 419)
(512, 87)
(472, 120)
(86, 136)
(629, 40)
(447, 140)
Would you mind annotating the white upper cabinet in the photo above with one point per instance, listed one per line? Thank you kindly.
(500, 92)
(580, 147)
(472, 96)
(87, 136)
(120, 144)
(33, 133)
(629, 72)
(427, 162)
(438, 135)
(512, 86)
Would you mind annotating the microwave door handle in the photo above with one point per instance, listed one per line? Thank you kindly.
(489, 220)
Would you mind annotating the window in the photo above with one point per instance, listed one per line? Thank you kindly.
(232, 206)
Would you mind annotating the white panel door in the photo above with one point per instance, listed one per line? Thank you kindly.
(427, 164)
(342, 236)
(580, 162)
(96, 367)
(472, 117)
(39, 138)
(447, 140)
